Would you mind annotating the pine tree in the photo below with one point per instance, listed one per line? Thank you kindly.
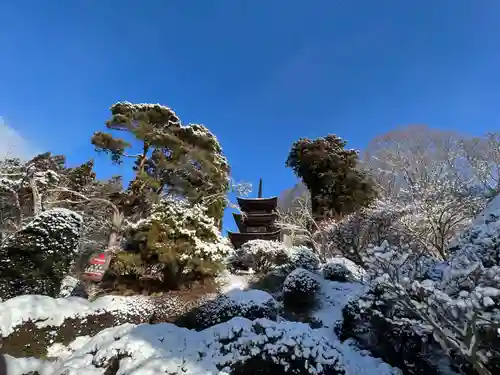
(175, 159)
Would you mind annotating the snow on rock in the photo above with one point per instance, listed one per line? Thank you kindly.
(342, 269)
(46, 311)
(27, 366)
(165, 348)
(72, 287)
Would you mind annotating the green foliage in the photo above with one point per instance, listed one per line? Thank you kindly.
(330, 172)
(182, 160)
(177, 243)
(36, 258)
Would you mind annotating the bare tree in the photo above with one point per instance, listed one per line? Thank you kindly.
(116, 218)
(298, 224)
(426, 169)
(483, 157)
(415, 154)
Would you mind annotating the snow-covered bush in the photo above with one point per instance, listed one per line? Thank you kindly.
(35, 259)
(250, 304)
(300, 287)
(260, 255)
(303, 257)
(391, 333)
(177, 242)
(342, 269)
(460, 309)
(237, 347)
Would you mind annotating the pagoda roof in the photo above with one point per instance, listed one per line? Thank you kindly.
(258, 204)
(238, 239)
(251, 219)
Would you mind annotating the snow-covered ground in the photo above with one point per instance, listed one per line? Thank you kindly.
(46, 311)
(165, 348)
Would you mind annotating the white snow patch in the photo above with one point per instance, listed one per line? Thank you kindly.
(61, 351)
(22, 366)
(229, 281)
(251, 297)
(333, 296)
(47, 311)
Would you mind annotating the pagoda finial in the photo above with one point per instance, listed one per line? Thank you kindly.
(260, 188)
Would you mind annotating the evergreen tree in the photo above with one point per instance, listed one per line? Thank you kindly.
(175, 159)
(329, 171)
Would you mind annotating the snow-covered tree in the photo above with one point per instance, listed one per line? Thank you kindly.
(178, 242)
(180, 160)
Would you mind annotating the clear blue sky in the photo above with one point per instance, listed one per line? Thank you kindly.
(260, 74)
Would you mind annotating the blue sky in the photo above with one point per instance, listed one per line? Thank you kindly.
(260, 74)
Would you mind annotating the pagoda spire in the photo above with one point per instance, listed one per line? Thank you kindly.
(260, 189)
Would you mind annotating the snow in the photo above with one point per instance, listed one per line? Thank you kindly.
(61, 351)
(229, 281)
(46, 311)
(342, 268)
(252, 297)
(492, 208)
(165, 348)
(333, 297)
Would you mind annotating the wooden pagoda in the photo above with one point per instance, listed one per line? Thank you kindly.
(256, 220)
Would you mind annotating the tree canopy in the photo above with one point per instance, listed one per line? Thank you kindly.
(330, 172)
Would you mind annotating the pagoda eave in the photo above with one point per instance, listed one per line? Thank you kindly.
(258, 204)
(256, 220)
(238, 239)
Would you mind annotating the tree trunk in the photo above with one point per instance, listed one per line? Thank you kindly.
(37, 199)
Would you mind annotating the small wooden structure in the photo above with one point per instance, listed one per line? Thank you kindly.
(256, 220)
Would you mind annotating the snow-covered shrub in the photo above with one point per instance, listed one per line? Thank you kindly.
(35, 259)
(237, 347)
(177, 242)
(260, 255)
(342, 269)
(390, 333)
(250, 304)
(460, 309)
(300, 287)
(303, 257)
